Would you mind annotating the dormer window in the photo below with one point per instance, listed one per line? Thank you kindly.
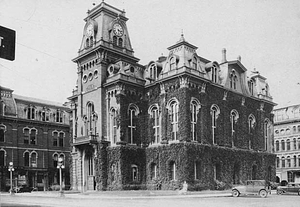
(194, 63)
(172, 63)
(31, 112)
(214, 74)
(251, 86)
(233, 80)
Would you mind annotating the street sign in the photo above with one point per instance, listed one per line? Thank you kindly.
(7, 43)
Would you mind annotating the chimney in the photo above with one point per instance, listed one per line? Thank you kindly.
(239, 58)
(224, 55)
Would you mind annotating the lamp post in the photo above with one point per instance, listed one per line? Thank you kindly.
(11, 169)
(60, 166)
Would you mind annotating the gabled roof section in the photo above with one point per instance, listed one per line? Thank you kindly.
(238, 63)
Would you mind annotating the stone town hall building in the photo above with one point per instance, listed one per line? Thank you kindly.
(179, 118)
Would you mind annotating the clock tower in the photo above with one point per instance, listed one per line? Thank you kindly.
(105, 49)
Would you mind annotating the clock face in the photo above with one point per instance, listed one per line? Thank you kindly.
(118, 30)
(89, 30)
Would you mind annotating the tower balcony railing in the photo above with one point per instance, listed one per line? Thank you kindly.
(87, 139)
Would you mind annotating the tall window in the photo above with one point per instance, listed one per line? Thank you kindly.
(172, 168)
(277, 145)
(134, 173)
(113, 125)
(295, 161)
(194, 63)
(233, 120)
(251, 125)
(251, 86)
(55, 160)
(91, 166)
(61, 139)
(173, 107)
(288, 161)
(282, 145)
(31, 112)
(154, 114)
(214, 112)
(26, 132)
(277, 162)
(197, 170)
(90, 119)
(133, 112)
(288, 144)
(26, 159)
(282, 162)
(194, 107)
(214, 74)
(233, 80)
(153, 169)
(33, 159)
(59, 116)
(2, 132)
(2, 158)
(294, 144)
(153, 71)
(267, 133)
(33, 133)
(217, 172)
(120, 42)
(172, 63)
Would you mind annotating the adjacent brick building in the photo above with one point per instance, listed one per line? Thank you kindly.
(179, 118)
(287, 143)
(33, 135)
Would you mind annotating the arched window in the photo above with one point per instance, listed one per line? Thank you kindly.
(26, 159)
(214, 112)
(173, 114)
(295, 161)
(91, 41)
(33, 133)
(153, 73)
(120, 43)
(194, 107)
(282, 162)
(153, 169)
(133, 111)
(115, 40)
(288, 144)
(2, 133)
(277, 146)
(172, 171)
(194, 63)
(26, 132)
(214, 74)
(251, 86)
(55, 138)
(59, 116)
(55, 160)
(33, 159)
(282, 145)
(234, 116)
(251, 126)
(134, 173)
(113, 125)
(294, 144)
(277, 162)
(288, 161)
(154, 114)
(87, 42)
(172, 63)
(267, 133)
(233, 80)
(91, 119)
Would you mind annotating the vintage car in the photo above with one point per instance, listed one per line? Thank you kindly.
(254, 187)
(289, 188)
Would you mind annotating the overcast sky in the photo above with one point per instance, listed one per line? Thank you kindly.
(265, 33)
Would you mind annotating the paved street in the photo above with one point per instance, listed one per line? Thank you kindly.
(139, 199)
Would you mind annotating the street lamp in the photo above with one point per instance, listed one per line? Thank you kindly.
(60, 166)
(11, 169)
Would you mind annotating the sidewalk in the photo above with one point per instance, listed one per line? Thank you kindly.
(139, 194)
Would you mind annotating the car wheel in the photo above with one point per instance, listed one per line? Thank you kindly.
(235, 193)
(263, 193)
(279, 192)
